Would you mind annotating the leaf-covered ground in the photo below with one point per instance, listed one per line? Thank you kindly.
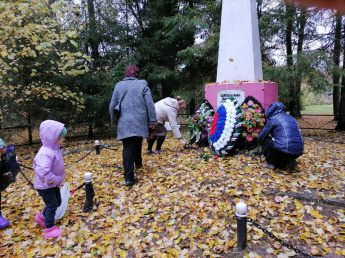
(184, 206)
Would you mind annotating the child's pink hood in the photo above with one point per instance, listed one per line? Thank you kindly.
(48, 164)
(49, 133)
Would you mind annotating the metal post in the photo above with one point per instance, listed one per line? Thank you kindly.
(97, 147)
(89, 192)
(241, 214)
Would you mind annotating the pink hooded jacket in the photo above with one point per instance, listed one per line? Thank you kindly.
(48, 164)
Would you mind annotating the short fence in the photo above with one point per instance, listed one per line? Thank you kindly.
(29, 134)
(326, 122)
(89, 191)
(242, 219)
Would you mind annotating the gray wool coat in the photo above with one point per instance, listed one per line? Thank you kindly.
(137, 108)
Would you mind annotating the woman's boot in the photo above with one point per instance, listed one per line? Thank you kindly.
(3, 222)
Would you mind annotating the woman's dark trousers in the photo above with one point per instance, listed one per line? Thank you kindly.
(276, 157)
(131, 154)
(160, 140)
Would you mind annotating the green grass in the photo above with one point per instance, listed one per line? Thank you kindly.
(318, 109)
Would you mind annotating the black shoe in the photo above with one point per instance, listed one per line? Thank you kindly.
(130, 183)
(138, 167)
(292, 165)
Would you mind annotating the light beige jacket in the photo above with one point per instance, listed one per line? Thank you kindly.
(166, 110)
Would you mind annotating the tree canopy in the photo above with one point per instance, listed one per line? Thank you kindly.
(37, 58)
(45, 50)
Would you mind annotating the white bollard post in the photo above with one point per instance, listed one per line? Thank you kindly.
(89, 192)
(241, 214)
(98, 152)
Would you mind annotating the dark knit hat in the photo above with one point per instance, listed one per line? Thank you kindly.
(132, 71)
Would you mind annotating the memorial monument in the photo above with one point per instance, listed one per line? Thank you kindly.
(239, 71)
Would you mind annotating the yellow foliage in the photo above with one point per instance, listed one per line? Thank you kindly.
(28, 30)
(316, 214)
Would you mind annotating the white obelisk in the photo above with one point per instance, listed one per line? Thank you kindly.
(239, 56)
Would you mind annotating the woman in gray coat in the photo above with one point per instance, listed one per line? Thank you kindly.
(137, 116)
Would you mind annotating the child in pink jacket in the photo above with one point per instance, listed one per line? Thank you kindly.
(49, 174)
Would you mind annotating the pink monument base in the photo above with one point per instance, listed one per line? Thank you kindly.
(265, 92)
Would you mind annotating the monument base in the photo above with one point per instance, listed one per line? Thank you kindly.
(265, 92)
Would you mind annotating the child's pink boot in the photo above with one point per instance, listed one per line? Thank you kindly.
(52, 232)
(39, 219)
(3, 222)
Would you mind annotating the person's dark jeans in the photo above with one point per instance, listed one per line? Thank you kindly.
(52, 200)
(160, 140)
(131, 154)
(151, 141)
(276, 157)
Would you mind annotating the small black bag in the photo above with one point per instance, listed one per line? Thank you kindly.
(117, 112)
(117, 108)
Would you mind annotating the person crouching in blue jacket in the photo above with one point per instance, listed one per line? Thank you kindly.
(281, 139)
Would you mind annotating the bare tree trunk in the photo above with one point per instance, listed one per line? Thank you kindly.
(341, 121)
(290, 10)
(290, 14)
(29, 127)
(295, 104)
(336, 60)
(90, 129)
(192, 106)
(93, 37)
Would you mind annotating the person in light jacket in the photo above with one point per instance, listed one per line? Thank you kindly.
(281, 139)
(167, 110)
(49, 170)
(136, 117)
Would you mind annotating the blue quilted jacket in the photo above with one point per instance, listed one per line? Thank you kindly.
(284, 130)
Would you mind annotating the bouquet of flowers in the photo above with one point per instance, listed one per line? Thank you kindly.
(226, 127)
(253, 120)
(200, 124)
